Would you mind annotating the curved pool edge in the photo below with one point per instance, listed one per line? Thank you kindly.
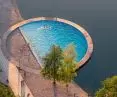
(82, 30)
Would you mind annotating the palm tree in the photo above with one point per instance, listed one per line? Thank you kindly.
(52, 61)
(68, 67)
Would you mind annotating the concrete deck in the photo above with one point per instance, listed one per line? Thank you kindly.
(9, 15)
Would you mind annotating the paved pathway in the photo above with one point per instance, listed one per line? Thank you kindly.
(8, 16)
(44, 88)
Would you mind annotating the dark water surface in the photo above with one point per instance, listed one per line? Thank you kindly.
(99, 18)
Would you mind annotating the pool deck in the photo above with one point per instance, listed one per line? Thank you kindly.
(40, 88)
(82, 30)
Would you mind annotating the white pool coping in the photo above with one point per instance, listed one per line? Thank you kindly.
(82, 30)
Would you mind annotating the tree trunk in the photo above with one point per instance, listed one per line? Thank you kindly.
(54, 88)
(67, 90)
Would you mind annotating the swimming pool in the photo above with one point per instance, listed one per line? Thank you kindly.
(42, 34)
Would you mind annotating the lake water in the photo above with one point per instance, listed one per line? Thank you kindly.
(99, 18)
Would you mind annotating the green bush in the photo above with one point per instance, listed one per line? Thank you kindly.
(5, 91)
(109, 88)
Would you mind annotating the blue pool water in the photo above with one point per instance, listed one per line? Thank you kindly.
(43, 34)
